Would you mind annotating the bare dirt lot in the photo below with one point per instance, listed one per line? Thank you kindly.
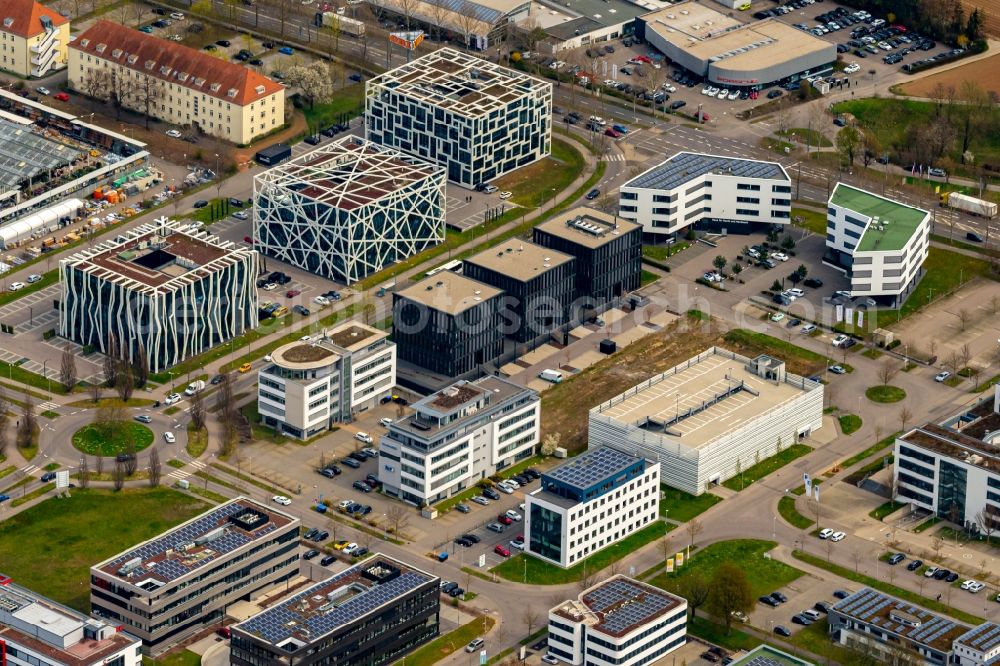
(985, 71)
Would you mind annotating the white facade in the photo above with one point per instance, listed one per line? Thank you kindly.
(978, 647)
(692, 188)
(567, 521)
(309, 386)
(595, 629)
(458, 436)
(880, 242)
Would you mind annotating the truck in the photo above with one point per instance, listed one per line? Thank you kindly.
(553, 376)
(195, 387)
(275, 154)
(967, 204)
(338, 21)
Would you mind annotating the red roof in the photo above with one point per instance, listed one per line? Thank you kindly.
(24, 17)
(169, 61)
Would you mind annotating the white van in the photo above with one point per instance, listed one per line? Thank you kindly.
(553, 376)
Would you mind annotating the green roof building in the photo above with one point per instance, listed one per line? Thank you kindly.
(765, 655)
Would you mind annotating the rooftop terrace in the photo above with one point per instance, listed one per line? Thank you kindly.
(898, 221)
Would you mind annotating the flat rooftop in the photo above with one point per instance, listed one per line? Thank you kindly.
(983, 638)
(690, 19)
(198, 542)
(587, 227)
(898, 221)
(348, 173)
(765, 655)
(449, 292)
(618, 606)
(25, 153)
(304, 355)
(592, 467)
(321, 609)
(954, 444)
(901, 618)
(684, 167)
(459, 82)
(700, 400)
(519, 259)
(586, 15)
(354, 335)
(425, 421)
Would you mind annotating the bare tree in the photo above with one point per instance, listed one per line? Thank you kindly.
(99, 466)
(67, 370)
(937, 543)
(125, 384)
(84, 472)
(987, 523)
(111, 361)
(131, 459)
(954, 361)
(829, 549)
(693, 529)
(224, 400)
(398, 518)
(904, 417)
(887, 371)
(965, 355)
(856, 556)
(27, 424)
(154, 467)
(118, 475)
(468, 21)
(140, 366)
(197, 411)
(964, 316)
(95, 392)
(530, 618)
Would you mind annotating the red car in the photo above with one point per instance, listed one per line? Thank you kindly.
(292, 293)
(500, 550)
(224, 632)
(62, 97)
(504, 519)
(247, 239)
(613, 133)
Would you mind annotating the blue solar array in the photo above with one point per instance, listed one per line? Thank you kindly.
(685, 166)
(626, 604)
(984, 638)
(592, 467)
(867, 603)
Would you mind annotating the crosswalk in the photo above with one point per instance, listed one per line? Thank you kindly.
(183, 473)
(28, 469)
(46, 406)
(614, 158)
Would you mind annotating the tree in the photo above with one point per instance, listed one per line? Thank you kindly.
(887, 370)
(730, 591)
(847, 144)
(695, 588)
(84, 476)
(99, 465)
(67, 370)
(987, 522)
(529, 616)
(775, 286)
(904, 417)
(468, 20)
(154, 467)
(224, 401)
(26, 425)
(125, 384)
(550, 444)
(964, 316)
(146, 96)
(111, 361)
(788, 243)
(368, 310)
(110, 420)
(118, 475)
(398, 518)
(140, 366)
(856, 556)
(95, 392)
(937, 543)
(197, 411)
(737, 269)
(313, 80)
(693, 529)
(131, 459)
(719, 262)
(119, 90)
(953, 361)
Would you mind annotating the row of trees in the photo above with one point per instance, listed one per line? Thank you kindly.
(121, 373)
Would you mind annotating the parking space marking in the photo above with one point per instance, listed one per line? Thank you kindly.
(28, 301)
(38, 321)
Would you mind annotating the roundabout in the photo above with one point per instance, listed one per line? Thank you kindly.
(108, 441)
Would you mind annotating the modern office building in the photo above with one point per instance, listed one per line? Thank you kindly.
(478, 23)
(175, 83)
(608, 252)
(310, 385)
(766, 655)
(979, 646)
(161, 286)
(374, 612)
(879, 243)
(589, 503)
(33, 38)
(732, 54)
(721, 193)
(952, 468)
(477, 119)
(348, 208)
(710, 417)
(619, 621)
(892, 630)
(448, 324)
(180, 582)
(456, 437)
(35, 631)
(538, 285)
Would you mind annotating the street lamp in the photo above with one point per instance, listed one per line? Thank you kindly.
(45, 371)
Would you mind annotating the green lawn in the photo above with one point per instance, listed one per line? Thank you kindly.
(885, 394)
(197, 441)
(926, 525)
(787, 510)
(663, 252)
(647, 277)
(539, 572)
(536, 184)
(716, 633)
(50, 547)
(764, 467)
(89, 440)
(347, 102)
(813, 220)
(681, 506)
(850, 423)
(16, 373)
(765, 575)
(446, 644)
(808, 136)
(182, 658)
(870, 451)
(884, 510)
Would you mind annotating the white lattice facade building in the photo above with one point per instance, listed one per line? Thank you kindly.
(349, 209)
(173, 291)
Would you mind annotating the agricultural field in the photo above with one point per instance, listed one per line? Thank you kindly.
(985, 71)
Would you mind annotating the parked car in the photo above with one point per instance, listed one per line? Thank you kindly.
(281, 499)
(914, 565)
(462, 508)
(941, 376)
(501, 551)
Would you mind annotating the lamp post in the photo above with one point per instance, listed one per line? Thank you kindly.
(45, 371)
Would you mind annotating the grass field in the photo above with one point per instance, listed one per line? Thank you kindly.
(89, 440)
(870, 451)
(813, 220)
(885, 394)
(663, 252)
(759, 470)
(884, 510)
(682, 507)
(534, 185)
(348, 101)
(716, 633)
(801, 361)
(181, 658)
(787, 510)
(850, 423)
(809, 137)
(446, 644)
(50, 547)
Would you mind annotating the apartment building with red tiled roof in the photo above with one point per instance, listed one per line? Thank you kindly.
(33, 38)
(175, 83)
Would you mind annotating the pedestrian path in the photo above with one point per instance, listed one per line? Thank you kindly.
(29, 468)
(45, 406)
(614, 158)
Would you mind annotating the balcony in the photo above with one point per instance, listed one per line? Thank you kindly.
(46, 44)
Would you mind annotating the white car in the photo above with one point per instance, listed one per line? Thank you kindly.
(42, 90)
(837, 536)
(505, 488)
(513, 515)
(33, 278)
(321, 300)
(270, 286)
(707, 90)
(780, 256)
(723, 94)
(519, 545)
(305, 338)
(173, 134)
(349, 548)
(549, 659)
(268, 359)
(385, 421)
(172, 399)
(512, 483)
(839, 340)
(506, 195)
(669, 88)
(241, 215)
(177, 16)
(809, 328)
(15, 286)
(777, 316)
(363, 437)
(929, 573)
(825, 533)
(169, 437)
(735, 94)
(976, 586)
(281, 499)
(853, 67)
(941, 376)
(796, 292)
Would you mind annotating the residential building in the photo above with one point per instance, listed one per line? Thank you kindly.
(879, 243)
(180, 582)
(161, 287)
(456, 437)
(952, 468)
(448, 324)
(589, 503)
(348, 208)
(476, 118)
(33, 38)
(619, 622)
(538, 285)
(708, 191)
(478, 23)
(308, 386)
(767, 655)
(175, 83)
(893, 630)
(35, 630)
(711, 416)
(979, 646)
(608, 253)
(372, 613)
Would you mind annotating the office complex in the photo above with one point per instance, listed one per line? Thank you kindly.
(477, 119)
(879, 243)
(456, 437)
(36, 631)
(979, 646)
(478, 23)
(618, 621)
(952, 468)
(33, 38)
(178, 583)
(369, 614)
(448, 324)
(160, 286)
(590, 503)
(310, 385)
(711, 416)
(722, 193)
(608, 252)
(538, 285)
(349, 208)
(766, 655)
(175, 83)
